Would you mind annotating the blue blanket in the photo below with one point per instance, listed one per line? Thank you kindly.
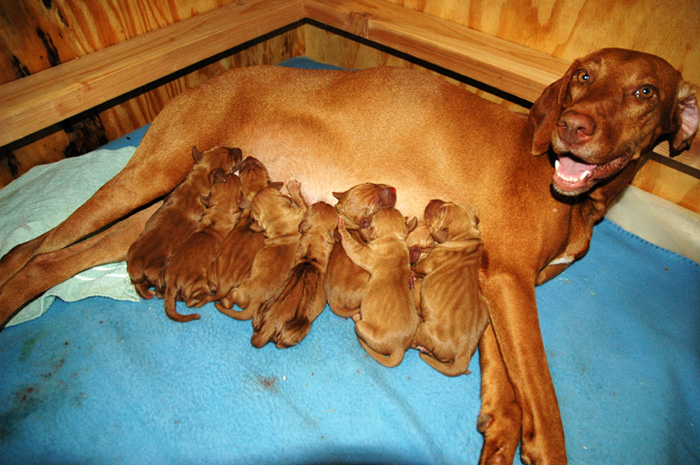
(107, 381)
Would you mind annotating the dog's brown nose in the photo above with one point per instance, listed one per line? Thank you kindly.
(575, 128)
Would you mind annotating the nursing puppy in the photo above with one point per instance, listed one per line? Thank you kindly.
(237, 252)
(345, 282)
(278, 218)
(286, 318)
(453, 310)
(175, 219)
(388, 318)
(419, 242)
(185, 273)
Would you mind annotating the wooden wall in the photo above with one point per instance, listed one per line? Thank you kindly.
(37, 34)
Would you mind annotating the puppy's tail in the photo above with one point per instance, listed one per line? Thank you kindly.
(389, 361)
(169, 302)
(459, 366)
(245, 314)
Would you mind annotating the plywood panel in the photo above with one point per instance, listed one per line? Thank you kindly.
(39, 35)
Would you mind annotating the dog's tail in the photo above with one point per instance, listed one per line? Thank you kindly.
(169, 302)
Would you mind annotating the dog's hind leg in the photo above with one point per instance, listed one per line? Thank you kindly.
(47, 270)
(148, 175)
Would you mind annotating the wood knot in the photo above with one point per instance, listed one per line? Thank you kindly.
(360, 24)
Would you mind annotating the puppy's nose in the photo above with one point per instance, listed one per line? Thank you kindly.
(575, 128)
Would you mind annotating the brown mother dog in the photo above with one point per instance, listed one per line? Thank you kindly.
(334, 129)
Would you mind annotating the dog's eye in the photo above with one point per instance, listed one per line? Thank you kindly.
(583, 76)
(646, 92)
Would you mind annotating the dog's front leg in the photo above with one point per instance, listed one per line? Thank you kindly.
(500, 417)
(516, 326)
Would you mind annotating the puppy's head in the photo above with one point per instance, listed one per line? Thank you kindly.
(320, 221)
(228, 159)
(450, 221)
(254, 177)
(226, 192)
(363, 201)
(388, 222)
(274, 213)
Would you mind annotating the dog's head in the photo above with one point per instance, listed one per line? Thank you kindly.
(450, 221)
(608, 109)
(363, 201)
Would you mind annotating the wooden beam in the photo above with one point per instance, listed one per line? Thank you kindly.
(512, 68)
(40, 100)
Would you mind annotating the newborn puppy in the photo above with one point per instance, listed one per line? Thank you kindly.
(453, 311)
(175, 219)
(388, 318)
(185, 273)
(278, 218)
(286, 318)
(235, 257)
(419, 242)
(345, 282)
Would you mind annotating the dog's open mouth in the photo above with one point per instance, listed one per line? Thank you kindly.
(574, 177)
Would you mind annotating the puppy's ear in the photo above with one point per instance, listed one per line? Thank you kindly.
(196, 154)
(218, 176)
(205, 199)
(335, 235)
(243, 203)
(276, 185)
(441, 235)
(685, 118)
(338, 195)
(387, 197)
(255, 226)
(235, 155)
(432, 206)
(411, 224)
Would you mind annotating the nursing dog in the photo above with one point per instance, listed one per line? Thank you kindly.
(537, 182)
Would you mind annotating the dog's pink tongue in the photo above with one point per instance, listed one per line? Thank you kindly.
(572, 169)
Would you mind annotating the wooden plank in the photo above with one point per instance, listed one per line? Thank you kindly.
(42, 99)
(509, 67)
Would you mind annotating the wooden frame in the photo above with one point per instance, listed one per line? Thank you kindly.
(35, 102)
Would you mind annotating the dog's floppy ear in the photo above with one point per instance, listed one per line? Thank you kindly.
(544, 114)
(276, 185)
(196, 154)
(440, 236)
(685, 118)
(338, 195)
